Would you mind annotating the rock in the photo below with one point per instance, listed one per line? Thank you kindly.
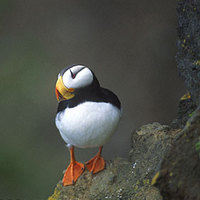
(179, 173)
(124, 179)
(117, 181)
(188, 45)
(149, 146)
(185, 109)
(107, 184)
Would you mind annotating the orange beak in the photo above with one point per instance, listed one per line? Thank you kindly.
(62, 92)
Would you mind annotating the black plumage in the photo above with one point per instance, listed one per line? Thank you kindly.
(94, 94)
(91, 93)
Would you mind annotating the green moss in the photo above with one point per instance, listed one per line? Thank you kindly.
(197, 146)
(191, 114)
(186, 96)
(136, 187)
(154, 179)
(146, 181)
(197, 62)
(171, 174)
(56, 194)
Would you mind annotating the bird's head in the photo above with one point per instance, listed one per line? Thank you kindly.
(72, 79)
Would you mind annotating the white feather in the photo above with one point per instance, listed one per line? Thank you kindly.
(82, 79)
(89, 124)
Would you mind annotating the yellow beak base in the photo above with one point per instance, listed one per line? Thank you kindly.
(62, 92)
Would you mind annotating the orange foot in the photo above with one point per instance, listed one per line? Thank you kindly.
(96, 164)
(74, 170)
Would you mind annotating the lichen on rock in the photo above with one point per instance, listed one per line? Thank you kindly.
(117, 181)
(149, 146)
(179, 172)
(188, 45)
(125, 179)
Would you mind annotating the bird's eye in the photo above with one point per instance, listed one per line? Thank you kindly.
(72, 75)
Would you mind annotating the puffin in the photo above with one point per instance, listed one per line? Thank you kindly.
(87, 116)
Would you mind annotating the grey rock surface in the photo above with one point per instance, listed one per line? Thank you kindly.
(123, 179)
(179, 172)
(188, 45)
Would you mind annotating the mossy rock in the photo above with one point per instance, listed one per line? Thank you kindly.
(125, 179)
(115, 182)
(179, 173)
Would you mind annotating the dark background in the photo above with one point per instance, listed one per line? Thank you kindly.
(131, 47)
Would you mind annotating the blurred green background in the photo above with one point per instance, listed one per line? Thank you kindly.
(131, 47)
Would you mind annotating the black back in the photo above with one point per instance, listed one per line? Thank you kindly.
(93, 94)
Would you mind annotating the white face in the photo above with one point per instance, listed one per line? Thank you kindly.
(77, 77)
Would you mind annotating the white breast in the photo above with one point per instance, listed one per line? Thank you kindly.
(89, 124)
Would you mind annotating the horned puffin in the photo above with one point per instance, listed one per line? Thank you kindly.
(87, 116)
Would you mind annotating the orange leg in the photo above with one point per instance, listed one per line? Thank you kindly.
(97, 163)
(73, 171)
